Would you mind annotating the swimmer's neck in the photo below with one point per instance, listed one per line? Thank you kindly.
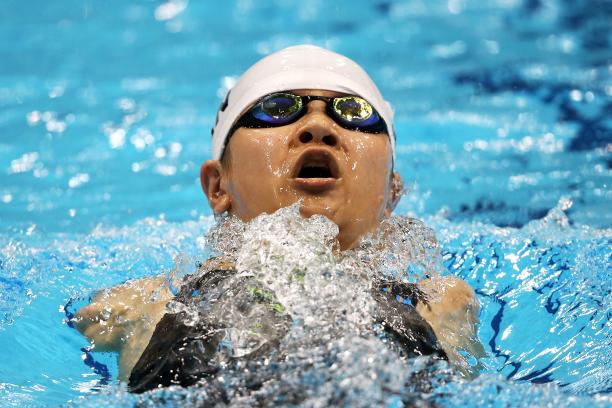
(348, 237)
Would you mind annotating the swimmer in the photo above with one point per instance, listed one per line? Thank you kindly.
(301, 125)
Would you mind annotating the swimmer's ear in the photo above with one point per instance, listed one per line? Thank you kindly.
(211, 175)
(396, 192)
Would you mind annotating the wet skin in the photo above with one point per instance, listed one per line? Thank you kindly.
(262, 171)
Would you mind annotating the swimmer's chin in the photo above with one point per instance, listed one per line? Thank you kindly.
(307, 210)
(344, 240)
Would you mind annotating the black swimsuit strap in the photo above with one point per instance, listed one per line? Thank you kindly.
(405, 290)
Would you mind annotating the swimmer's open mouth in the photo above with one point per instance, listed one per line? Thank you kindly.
(316, 169)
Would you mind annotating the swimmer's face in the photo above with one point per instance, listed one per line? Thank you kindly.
(343, 174)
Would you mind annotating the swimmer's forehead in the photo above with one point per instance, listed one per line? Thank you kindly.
(317, 92)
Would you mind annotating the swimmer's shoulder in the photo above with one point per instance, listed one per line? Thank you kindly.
(216, 263)
(208, 272)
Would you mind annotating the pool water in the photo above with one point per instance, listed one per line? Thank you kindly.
(504, 138)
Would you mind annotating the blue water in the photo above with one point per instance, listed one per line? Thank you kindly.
(502, 113)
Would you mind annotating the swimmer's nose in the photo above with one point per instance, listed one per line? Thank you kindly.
(308, 137)
(317, 127)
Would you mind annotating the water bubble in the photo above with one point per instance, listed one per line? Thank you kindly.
(160, 153)
(165, 169)
(565, 203)
(116, 137)
(33, 117)
(55, 126)
(446, 51)
(576, 95)
(170, 9)
(56, 91)
(136, 167)
(24, 164)
(78, 180)
(126, 104)
(492, 46)
(30, 229)
(175, 149)
(455, 6)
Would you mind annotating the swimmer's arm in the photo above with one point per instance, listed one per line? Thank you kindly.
(112, 312)
(452, 312)
(122, 319)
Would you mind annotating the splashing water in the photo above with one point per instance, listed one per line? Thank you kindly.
(294, 258)
(544, 292)
(333, 352)
(331, 355)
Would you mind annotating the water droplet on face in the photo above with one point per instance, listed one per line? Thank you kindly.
(106, 313)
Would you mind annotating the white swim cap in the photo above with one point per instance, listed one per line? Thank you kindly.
(298, 67)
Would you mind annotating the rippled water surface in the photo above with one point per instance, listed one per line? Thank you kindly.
(503, 120)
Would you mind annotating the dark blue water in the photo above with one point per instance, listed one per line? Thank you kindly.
(502, 113)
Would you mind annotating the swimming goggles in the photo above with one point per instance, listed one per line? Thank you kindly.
(282, 108)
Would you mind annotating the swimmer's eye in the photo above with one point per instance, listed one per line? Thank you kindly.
(278, 109)
(355, 112)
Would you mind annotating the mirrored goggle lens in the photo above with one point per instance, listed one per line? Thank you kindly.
(277, 109)
(355, 111)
